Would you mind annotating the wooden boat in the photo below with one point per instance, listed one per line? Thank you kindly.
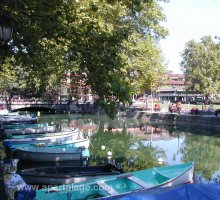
(112, 186)
(9, 133)
(62, 137)
(65, 144)
(45, 138)
(50, 154)
(29, 118)
(70, 143)
(66, 174)
(21, 126)
(24, 164)
(41, 135)
(6, 112)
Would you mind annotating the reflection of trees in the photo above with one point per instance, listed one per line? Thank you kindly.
(120, 144)
(204, 151)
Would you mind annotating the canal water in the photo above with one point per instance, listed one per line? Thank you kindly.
(136, 144)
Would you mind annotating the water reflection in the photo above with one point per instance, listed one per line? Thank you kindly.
(136, 144)
(174, 143)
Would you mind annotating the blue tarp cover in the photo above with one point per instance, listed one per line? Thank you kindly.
(183, 192)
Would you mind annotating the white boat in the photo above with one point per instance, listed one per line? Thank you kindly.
(5, 112)
(11, 119)
(9, 133)
(45, 138)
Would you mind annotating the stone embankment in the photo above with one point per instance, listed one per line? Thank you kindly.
(200, 120)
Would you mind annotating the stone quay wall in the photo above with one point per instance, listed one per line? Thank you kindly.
(198, 120)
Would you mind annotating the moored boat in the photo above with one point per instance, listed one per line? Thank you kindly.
(26, 118)
(45, 138)
(50, 154)
(115, 185)
(76, 142)
(9, 133)
(21, 125)
(6, 112)
(66, 174)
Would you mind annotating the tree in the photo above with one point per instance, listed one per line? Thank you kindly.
(51, 38)
(201, 65)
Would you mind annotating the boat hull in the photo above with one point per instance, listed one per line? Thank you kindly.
(69, 143)
(114, 186)
(66, 175)
(20, 126)
(47, 138)
(9, 133)
(49, 154)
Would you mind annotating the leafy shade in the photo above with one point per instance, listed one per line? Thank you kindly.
(93, 37)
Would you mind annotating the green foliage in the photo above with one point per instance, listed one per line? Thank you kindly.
(106, 40)
(201, 65)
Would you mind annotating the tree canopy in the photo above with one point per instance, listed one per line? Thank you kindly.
(201, 65)
(106, 40)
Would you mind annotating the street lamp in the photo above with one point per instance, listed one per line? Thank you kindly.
(5, 30)
(5, 33)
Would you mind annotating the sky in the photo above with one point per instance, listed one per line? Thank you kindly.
(187, 20)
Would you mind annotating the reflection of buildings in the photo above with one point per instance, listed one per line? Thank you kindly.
(87, 126)
(149, 132)
(146, 132)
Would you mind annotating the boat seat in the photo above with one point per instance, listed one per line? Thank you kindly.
(107, 188)
(139, 182)
(161, 177)
(161, 174)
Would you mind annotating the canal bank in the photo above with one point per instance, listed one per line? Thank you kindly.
(174, 118)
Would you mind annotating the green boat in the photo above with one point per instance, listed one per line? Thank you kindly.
(120, 184)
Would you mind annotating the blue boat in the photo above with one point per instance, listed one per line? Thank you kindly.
(51, 154)
(64, 144)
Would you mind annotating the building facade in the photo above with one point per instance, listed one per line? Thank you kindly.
(173, 89)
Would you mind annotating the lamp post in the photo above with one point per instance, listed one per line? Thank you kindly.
(5, 34)
(5, 30)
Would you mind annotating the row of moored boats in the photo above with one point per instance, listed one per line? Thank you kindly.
(35, 142)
